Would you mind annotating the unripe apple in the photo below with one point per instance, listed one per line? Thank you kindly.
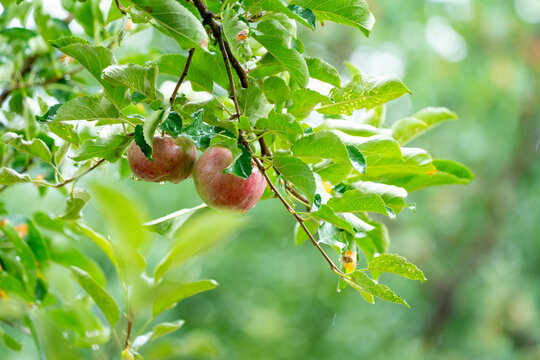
(226, 191)
(173, 160)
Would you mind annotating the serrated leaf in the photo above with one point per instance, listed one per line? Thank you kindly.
(35, 147)
(78, 199)
(253, 103)
(354, 201)
(168, 293)
(94, 59)
(282, 124)
(327, 214)
(110, 148)
(361, 281)
(166, 328)
(363, 92)
(49, 114)
(172, 124)
(393, 196)
(197, 236)
(357, 159)
(323, 71)
(276, 90)
(303, 15)
(25, 254)
(200, 133)
(150, 126)
(65, 132)
(141, 142)
(102, 299)
(407, 129)
(347, 12)
(89, 108)
(36, 243)
(291, 59)
(375, 117)
(297, 172)
(174, 20)
(232, 26)
(300, 235)
(304, 101)
(9, 176)
(321, 145)
(395, 264)
(241, 165)
(142, 79)
(72, 257)
(349, 127)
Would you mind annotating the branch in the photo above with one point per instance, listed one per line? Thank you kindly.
(121, 8)
(182, 77)
(208, 19)
(65, 182)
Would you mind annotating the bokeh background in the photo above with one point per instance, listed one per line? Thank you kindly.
(479, 245)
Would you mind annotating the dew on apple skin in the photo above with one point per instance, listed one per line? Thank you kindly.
(162, 183)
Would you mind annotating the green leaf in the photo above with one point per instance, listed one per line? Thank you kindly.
(25, 254)
(321, 145)
(253, 103)
(11, 342)
(110, 148)
(166, 328)
(168, 293)
(149, 128)
(304, 101)
(407, 129)
(64, 131)
(363, 92)
(357, 159)
(327, 214)
(347, 12)
(169, 224)
(94, 59)
(9, 176)
(34, 147)
(37, 243)
(200, 133)
(75, 204)
(300, 235)
(196, 236)
(16, 33)
(348, 127)
(291, 59)
(283, 124)
(89, 108)
(72, 257)
(276, 90)
(297, 172)
(242, 163)
(354, 201)
(172, 124)
(102, 299)
(102, 242)
(141, 142)
(142, 79)
(395, 264)
(49, 115)
(375, 117)
(360, 281)
(393, 196)
(175, 20)
(323, 71)
(304, 16)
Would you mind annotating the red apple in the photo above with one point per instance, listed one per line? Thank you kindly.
(226, 191)
(173, 160)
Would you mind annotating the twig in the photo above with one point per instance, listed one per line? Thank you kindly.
(120, 7)
(128, 335)
(65, 182)
(27, 66)
(182, 77)
(256, 17)
(208, 19)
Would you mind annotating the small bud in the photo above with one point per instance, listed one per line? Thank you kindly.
(327, 186)
(204, 44)
(22, 230)
(66, 60)
(242, 35)
(129, 25)
(349, 261)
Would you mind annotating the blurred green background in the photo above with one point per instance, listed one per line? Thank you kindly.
(478, 245)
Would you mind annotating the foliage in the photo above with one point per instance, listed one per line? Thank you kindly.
(329, 158)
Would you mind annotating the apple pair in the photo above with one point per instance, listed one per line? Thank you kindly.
(176, 160)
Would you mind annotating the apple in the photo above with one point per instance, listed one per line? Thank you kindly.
(173, 160)
(226, 191)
